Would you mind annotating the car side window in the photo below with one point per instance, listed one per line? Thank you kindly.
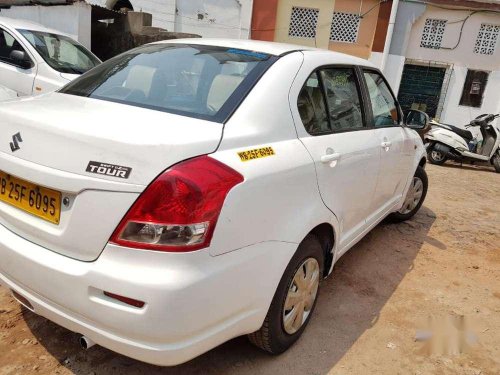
(8, 44)
(343, 98)
(311, 105)
(384, 107)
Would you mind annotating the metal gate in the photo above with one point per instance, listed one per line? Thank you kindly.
(422, 87)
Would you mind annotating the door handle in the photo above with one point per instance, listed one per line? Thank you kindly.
(330, 157)
(386, 145)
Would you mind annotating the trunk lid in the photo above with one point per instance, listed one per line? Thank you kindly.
(100, 155)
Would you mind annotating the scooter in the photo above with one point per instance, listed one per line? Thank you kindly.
(445, 142)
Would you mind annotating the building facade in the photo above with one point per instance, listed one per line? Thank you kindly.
(355, 27)
(440, 56)
(208, 18)
(72, 18)
(445, 58)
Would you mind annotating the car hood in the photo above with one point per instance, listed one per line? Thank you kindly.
(6, 93)
(69, 77)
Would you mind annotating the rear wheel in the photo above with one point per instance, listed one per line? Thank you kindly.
(414, 198)
(496, 162)
(435, 156)
(294, 300)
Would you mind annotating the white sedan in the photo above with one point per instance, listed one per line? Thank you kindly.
(191, 191)
(6, 93)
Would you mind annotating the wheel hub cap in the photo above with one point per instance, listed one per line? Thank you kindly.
(413, 196)
(436, 155)
(301, 295)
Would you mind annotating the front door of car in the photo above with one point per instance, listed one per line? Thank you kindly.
(330, 120)
(12, 75)
(395, 157)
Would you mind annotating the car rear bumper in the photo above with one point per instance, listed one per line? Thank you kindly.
(194, 301)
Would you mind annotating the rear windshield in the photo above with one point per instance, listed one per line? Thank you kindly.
(193, 80)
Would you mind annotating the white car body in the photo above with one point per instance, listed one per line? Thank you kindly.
(200, 299)
(38, 79)
(6, 93)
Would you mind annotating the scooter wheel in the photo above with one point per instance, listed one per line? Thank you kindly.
(496, 162)
(435, 156)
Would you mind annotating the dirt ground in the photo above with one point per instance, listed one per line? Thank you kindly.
(444, 263)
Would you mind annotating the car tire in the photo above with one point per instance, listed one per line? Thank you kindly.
(277, 334)
(435, 157)
(410, 208)
(496, 162)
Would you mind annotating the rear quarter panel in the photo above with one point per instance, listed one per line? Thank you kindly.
(279, 199)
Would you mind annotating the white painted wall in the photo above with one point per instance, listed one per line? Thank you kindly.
(394, 71)
(376, 58)
(221, 18)
(455, 114)
(393, 68)
(73, 20)
(464, 54)
(462, 58)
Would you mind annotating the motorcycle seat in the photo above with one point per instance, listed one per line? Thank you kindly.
(465, 134)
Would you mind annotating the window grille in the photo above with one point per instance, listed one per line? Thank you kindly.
(487, 39)
(303, 22)
(345, 27)
(433, 33)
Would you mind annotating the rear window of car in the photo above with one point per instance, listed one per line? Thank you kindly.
(199, 81)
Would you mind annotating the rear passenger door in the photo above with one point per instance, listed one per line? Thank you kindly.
(385, 117)
(331, 124)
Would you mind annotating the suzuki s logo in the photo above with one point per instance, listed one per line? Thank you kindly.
(16, 139)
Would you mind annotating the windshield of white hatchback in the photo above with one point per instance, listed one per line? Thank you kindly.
(62, 53)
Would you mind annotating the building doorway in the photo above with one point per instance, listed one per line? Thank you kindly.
(421, 88)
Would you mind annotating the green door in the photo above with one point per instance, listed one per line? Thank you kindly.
(420, 88)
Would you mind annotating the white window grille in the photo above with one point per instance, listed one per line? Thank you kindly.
(303, 22)
(433, 33)
(345, 27)
(487, 39)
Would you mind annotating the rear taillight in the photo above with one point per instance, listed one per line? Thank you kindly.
(179, 210)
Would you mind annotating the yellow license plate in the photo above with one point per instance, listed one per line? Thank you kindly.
(37, 200)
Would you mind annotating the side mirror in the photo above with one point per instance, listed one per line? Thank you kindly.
(21, 58)
(416, 119)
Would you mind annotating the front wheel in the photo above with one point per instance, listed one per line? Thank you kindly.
(496, 162)
(435, 156)
(414, 198)
(294, 300)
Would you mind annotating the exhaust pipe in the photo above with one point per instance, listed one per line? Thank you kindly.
(86, 343)
(446, 150)
(442, 148)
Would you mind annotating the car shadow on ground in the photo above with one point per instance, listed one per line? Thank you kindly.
(349, 304)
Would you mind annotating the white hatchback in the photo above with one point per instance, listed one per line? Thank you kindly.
(36, 60)
(191, 191)
(6, 93)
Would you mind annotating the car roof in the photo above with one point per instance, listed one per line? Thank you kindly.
(15, 23)
(271, 48)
